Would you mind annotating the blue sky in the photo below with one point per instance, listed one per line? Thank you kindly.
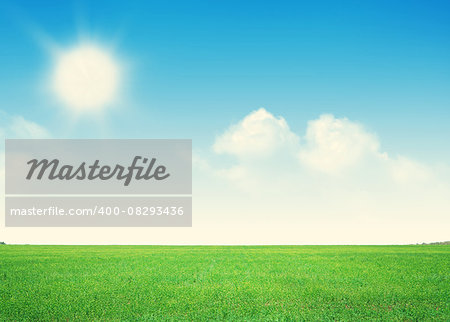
(196, 66)
(193, 69)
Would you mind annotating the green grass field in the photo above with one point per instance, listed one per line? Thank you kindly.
(225, 283)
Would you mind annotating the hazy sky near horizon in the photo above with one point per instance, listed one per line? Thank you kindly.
(313, 122)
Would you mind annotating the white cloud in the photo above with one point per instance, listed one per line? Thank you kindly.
(21, 128)
(337, 159)
(259, 134)
(16, 127)
(334, 144)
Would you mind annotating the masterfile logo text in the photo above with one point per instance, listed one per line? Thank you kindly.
(104, 182)
(96, 171)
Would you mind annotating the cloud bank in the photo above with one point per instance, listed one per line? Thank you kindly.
(266, 184)
(334, 174)
(334, 147)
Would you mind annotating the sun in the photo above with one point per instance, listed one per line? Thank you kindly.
(86, 78)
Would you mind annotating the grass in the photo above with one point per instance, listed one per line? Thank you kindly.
(224, 282)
